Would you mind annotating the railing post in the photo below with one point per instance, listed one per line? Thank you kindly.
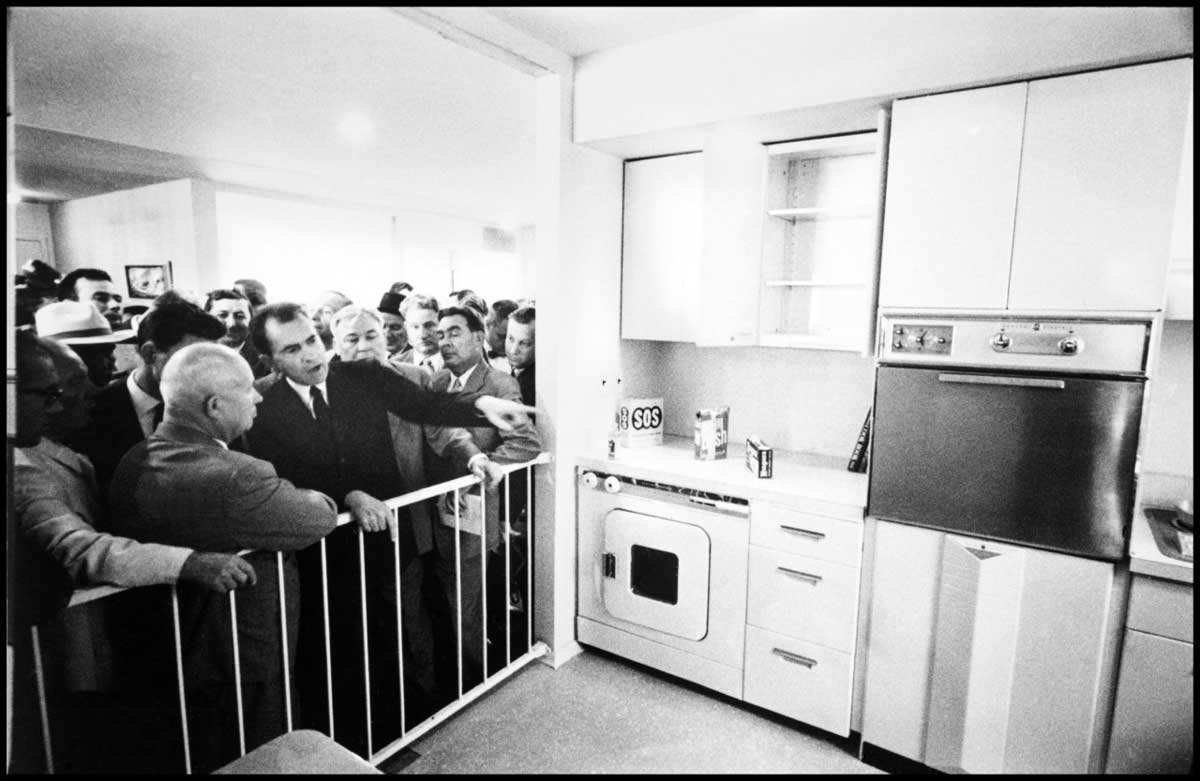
(183, 717)
(40, 677)
(529, 556)
(483, 583)
(328, 656)
(399, 622)
(458, 593)
(283, 633)
(362, 591)
(507, 572)
(237, 673)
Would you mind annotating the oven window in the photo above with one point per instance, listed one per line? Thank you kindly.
(654, 574)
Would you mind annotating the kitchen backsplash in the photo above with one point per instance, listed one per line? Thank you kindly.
(815, 400)
(1169, 445)
(802, 400)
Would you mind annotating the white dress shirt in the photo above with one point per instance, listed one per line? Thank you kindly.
(305, 393)
(144, 405)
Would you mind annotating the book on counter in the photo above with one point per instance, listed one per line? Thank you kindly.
(858, 458)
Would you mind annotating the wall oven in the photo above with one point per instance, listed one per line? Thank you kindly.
(1014, 429)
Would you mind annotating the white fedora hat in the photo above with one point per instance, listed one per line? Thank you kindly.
(77, 322)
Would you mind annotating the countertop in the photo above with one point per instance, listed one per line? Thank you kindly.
(1157, 490)
(808, 476)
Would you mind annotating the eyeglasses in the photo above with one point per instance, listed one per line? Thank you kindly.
(49, 395)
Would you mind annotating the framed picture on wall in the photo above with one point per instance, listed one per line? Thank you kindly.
(148, 281)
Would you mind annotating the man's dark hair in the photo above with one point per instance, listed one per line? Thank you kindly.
(171, 318)
(256, 292)
(503, 308)
(474, 322)
(282, 312)
(390, 303)
(66, 286)
(401, 288)
(220, 294)
(525, 315)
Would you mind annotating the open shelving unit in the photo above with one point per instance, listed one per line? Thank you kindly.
(820, 243)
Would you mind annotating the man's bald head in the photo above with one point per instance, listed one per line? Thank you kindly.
(210, 387)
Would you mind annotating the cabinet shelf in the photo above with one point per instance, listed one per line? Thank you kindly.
(851, 211)
(810, 341)
(812, 283)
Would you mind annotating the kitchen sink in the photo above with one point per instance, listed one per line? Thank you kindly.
(1168, 524)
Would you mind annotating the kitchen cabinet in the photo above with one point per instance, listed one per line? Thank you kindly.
(1180, 276)
(820, 255)
(986, 657)
(1053, 194)
(661, 247)
(1152, 729)
(802, 613)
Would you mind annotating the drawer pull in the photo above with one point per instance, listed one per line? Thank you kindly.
(803, 532)
(788, 656)
(795, 573)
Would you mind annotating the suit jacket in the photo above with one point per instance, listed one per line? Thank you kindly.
(528, 385)
(520, 444)
(113, 432)
(410, 441)
(405, 356)
(182, 487)
(255, 359)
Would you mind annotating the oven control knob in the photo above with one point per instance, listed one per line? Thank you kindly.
(612, 484)
(1001, 341)
(590, 479)
(1069, 346)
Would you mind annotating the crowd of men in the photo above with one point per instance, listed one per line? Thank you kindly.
(245, 423)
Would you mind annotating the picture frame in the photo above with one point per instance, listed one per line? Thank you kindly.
(148, 281)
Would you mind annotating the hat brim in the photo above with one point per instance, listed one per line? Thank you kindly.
(116, 337)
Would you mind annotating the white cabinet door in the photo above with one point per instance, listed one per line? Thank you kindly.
(662, 239)
(1099, 172)
(1152, 728)
(951, 188)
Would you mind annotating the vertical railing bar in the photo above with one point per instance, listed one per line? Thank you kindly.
(458, 594)
(483, 582)
(287, 676)
(328, 656)
(362, 592)
(40, 677)
(529, 556)
(399, 623)
(237, 672)
(187, 740)
(508, 609)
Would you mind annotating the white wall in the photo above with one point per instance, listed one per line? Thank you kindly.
(33, 226)
(1170, 439)
(779, 59)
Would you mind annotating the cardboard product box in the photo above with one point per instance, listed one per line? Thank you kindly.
(760, 457)
(712, 433)
(640, 422)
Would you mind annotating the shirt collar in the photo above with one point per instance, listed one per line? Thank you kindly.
(143, 403)
(462, 378)
(304, 392)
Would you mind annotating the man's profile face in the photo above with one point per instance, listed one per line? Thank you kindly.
(103, 295)
(422, 327)
(460, 346)
(234, 314)
(296, 350)
(497, 332)
(394, 331)
(518, 345)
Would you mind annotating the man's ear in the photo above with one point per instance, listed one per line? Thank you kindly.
(212, 405)
(147, 351)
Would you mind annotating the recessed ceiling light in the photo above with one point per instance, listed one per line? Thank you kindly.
(356, 127)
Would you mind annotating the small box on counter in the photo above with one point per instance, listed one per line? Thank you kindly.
(640, 422)
(760, 457)
(712, 433)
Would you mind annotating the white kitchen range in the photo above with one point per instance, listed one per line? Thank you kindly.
(996, 577)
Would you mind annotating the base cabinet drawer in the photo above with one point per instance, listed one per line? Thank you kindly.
(794, 531)
(803, 597)
(804, 681)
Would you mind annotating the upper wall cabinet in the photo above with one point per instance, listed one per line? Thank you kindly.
(1056, 194)
(661, 246)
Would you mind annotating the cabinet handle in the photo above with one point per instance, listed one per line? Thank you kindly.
(788, 656)
(803, 532)
(795, 573)
(989, 379)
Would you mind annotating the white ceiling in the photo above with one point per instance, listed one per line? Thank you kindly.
(583, 30)
(254, 96)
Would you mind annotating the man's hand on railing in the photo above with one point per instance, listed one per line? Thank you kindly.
(502, 413)
(220, 572)
(371, 514)
(487, 470)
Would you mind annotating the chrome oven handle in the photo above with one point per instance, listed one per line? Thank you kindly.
(788, 656)
(803, 532)
(795, 573)
(991, 379)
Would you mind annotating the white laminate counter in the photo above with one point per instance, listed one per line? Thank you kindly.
(1144, 557)
(806, 476)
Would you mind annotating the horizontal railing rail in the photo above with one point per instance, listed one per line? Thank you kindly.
(506, 533)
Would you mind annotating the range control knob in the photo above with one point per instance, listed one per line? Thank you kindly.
(612, 484)
(1069, 346)
(1001, 341)
(590, 479)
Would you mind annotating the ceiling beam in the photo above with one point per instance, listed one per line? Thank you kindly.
(480, 31)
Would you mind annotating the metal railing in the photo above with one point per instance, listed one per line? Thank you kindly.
(407, 735)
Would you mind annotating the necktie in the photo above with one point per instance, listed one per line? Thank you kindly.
(320, 408)
(158, 416)
(456, 385)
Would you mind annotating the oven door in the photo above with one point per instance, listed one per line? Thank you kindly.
(1046, 461)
